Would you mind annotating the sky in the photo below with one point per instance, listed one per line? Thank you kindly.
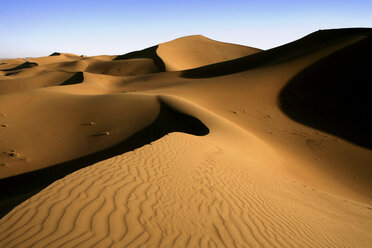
(34, 28)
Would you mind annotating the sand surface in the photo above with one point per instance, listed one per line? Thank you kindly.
(190, 143)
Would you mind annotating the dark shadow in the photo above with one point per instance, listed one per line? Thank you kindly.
(149, 53)
(281, 54)
(22, 66)
(100, 134)
(77, 78)
(333, 95)
(12, 73)
(17, 189)
(55, 54)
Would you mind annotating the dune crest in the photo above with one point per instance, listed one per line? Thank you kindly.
(196, 51)
(190, 143)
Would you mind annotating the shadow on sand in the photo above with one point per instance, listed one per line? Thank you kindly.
(278, 55)
(333, 95)
(77, 78)
(149, 53)
(17, 189)
(22, 66)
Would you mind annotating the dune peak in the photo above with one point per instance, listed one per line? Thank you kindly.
(197, 50)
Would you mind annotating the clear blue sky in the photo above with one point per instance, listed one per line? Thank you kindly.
(31, 28)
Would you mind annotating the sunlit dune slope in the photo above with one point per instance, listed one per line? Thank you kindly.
(191, 143)
(197, 50)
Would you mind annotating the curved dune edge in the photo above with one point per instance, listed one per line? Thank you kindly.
(257, 179)
(158, 193)
(196, 51)
(321, 96)
(177, 200)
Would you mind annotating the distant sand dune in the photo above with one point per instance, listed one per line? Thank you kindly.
(22, 66)
(190, 143)
(55, 54)
(196, 50)
(148, 53)
(130, 67)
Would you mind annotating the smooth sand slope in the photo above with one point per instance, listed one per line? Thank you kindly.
(191, 143)
(196, 50)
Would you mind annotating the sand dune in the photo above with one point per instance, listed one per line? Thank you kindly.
(177, 200)
(191, 143)
(196, 50)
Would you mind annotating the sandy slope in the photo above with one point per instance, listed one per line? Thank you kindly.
(176, 200)
(196, 50)
(215, 156)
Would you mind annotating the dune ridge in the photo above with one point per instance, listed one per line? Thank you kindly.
(196, 51)
(191, 143)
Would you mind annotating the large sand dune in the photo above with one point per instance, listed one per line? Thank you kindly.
(191, 143)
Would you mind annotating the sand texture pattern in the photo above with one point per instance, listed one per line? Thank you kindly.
(190, 143)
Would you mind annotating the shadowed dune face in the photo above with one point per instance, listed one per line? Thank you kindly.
(333, 95)
(264, 150)
(12, 73)
(149, 53)
(28, 79)
(77, 78)
(20, 188)
(25, 65)
(55, 54)
(275, 56)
